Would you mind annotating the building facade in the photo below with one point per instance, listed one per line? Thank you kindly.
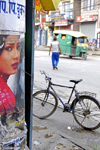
(62, 19)
(89, 20)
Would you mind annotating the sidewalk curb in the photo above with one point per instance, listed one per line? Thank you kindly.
(50, 130)
(42, 48)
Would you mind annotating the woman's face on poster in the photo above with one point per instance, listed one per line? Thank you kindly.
(9, 59)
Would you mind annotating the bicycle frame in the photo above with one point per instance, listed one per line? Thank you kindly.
(70, 87)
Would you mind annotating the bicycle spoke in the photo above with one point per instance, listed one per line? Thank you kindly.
(87, 112)
(83, 120)
(44, 106)
(95, 116)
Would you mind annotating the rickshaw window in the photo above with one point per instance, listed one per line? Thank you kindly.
(56, 36)
(82, 40)
(63, 36)
(74, 40)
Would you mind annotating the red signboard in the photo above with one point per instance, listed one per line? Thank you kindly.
(44, 12)
(43, 19)
(61, 23)
(86, 18)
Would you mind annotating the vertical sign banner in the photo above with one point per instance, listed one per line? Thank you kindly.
(13, 130)
(12, 14)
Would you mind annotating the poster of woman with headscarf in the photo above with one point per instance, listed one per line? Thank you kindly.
(13, 130)
(12, 101)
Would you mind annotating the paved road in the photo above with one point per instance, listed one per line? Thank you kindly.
(75, 68)
(60, 131)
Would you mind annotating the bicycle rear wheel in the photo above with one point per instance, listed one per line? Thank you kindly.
(44, 105)
(86, 111)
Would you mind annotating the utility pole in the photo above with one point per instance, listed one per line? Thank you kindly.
(29, 67)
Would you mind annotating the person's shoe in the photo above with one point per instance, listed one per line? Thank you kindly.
(53, 68)
(56, 67)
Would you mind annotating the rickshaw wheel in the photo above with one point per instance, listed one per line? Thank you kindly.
(70, 56)
(84, 56)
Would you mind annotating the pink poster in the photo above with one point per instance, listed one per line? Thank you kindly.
(12, 101)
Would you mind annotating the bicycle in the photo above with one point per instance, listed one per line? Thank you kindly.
(85, 107)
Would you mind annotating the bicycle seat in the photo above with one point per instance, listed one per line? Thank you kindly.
(76, 81)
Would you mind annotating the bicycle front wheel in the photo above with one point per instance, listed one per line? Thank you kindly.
(86, 111)
(44, 104)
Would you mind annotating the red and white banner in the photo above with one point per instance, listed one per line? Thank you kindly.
(61, 23)
(38, 7)
(86, 18)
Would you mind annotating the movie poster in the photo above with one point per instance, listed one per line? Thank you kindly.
(13, 129)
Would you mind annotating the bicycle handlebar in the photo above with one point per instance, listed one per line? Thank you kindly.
(49, 79)
(46, 77)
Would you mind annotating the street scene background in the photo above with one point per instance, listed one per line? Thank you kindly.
(60, 131)
(68, 69)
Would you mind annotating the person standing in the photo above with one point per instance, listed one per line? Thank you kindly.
(55, 46)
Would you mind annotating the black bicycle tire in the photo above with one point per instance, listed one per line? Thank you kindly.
(93, 100)
(54, 106)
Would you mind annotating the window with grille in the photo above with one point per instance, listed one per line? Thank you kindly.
(89, 4)
(66, 8)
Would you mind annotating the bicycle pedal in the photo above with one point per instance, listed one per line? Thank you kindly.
(64, 109)
(67, 107)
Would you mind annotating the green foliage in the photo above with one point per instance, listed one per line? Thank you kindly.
(94, 148)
